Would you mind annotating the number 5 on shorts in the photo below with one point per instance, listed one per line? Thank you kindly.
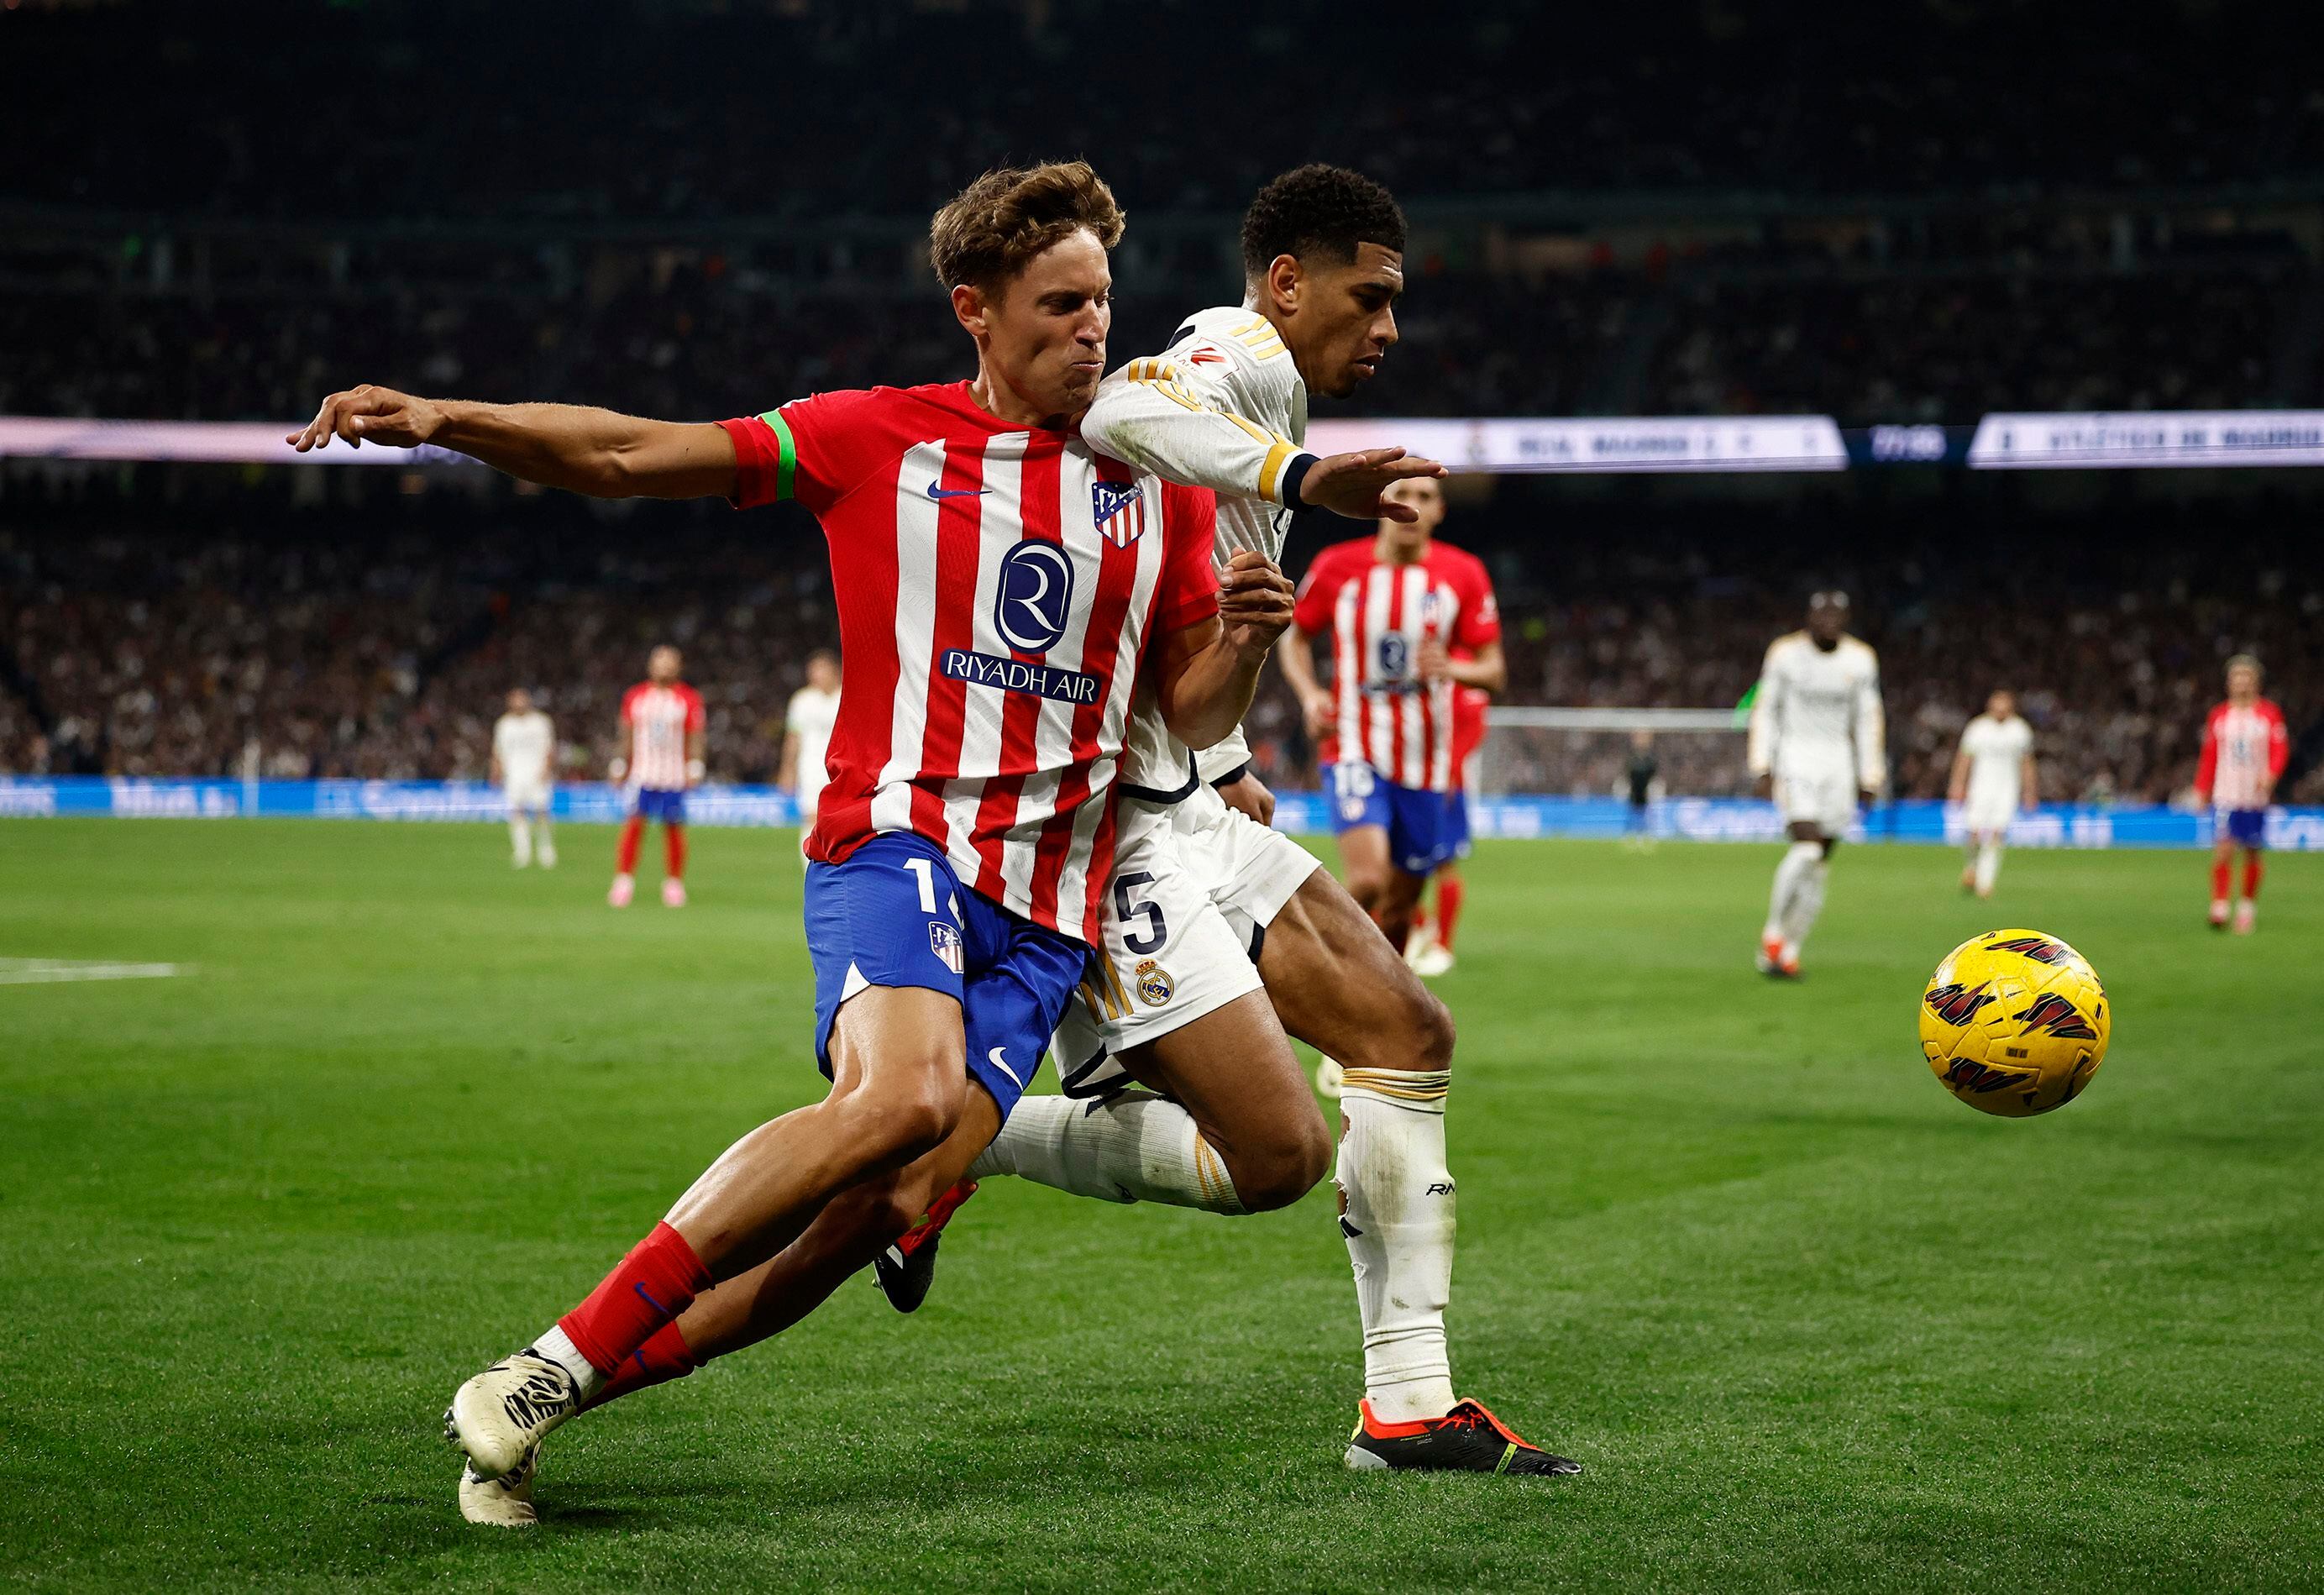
(1125, 909)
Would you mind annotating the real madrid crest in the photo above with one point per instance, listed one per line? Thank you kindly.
(1153, 983)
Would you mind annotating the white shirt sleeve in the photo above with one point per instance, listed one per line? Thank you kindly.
(1759, 754)
(1871, 728)
(1185, 416)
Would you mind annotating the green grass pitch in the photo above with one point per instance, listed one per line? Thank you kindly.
(1807, 1321)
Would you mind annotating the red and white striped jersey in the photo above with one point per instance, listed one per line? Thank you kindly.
(2245, 748)
(1379, 614)
(996, 587)
(660, 717)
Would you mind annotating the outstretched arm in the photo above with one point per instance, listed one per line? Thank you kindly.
(1165, 418)
(1206, 673)
(597, 452)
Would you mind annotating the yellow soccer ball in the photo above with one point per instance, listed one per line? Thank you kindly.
(2015, 1023)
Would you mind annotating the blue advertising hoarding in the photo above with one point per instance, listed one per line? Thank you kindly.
(1690, 819)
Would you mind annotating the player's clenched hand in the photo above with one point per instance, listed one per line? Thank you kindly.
(381, 415)
(1433, 664)
(1763, 786)
(1350, 485)
(1254, 600)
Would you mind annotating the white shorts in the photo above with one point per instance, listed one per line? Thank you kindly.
(526, 797)
(1983, 815)
(1195, 886)
(1824, 798)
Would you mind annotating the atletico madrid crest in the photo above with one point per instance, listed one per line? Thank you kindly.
(1120, 509)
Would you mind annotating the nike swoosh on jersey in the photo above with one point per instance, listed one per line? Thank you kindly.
(945, 493)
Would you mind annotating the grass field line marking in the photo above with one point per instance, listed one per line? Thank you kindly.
(42, 971)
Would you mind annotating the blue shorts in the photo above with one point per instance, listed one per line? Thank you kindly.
(2248, 827)
(654, 803)
(1456, 823)
(1422, 830)
(894, 914)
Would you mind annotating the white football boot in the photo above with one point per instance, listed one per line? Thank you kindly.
(499, 1416)
(505, 1502)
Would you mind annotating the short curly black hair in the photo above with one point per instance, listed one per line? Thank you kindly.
(1318, 211)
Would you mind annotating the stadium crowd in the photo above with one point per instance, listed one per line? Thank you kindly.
(381, 651)
(684, 341)
(1814, 97)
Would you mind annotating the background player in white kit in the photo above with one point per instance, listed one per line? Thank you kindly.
(524, 758)
(807, 738)
(1993, 777)
(1819, 747)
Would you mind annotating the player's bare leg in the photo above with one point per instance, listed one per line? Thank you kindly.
(545, 839)
(900, 1089)
(762, 1302)
(1385, 892)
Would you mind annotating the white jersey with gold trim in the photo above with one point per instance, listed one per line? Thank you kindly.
(1222, 407)
(1817, 714)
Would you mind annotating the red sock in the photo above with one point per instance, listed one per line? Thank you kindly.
(625, 856)
(1450, 889)
(664, 1356)
(2219, 880)
(653, 1284)
(673, 850)
(2250, 876)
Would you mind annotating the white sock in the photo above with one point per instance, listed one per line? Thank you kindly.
(1398, 1224)
(1135, 1147)
(1988, 865)
(547, 847)
(1803, 857)
(1807, 901)
(559, 1348)
(521, 838)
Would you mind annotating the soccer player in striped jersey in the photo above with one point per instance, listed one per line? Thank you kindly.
(997, 608)
(2245, 751)
(660, 762)
(1397, 606)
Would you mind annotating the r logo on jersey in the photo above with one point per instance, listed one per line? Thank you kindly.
(943, 941)
(1033, 597)
(1119, 508)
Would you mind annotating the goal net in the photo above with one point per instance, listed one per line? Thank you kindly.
(1588, 752)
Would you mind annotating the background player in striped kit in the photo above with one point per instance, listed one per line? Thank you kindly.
(1429, 948)
(524, 761)
(807, 721)
(1818, 746)
(1395, 605)
(997, 615)
(1992, 778)
(2244, 749)
(660, 760)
